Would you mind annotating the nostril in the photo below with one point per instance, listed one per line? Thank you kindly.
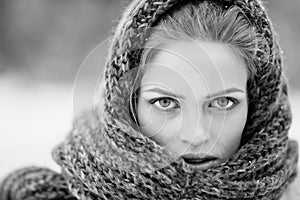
(195, 139)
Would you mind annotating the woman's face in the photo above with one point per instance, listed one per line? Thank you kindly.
(193, 99)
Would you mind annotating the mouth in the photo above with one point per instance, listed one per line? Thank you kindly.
(196, 159)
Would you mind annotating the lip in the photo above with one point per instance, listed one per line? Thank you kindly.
(199, 159)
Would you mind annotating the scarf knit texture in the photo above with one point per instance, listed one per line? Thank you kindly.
(106, 157)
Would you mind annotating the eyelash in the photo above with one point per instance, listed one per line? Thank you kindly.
(234, 101)
(153, 101)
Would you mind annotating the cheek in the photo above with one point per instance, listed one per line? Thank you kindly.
(228, 131)
(234, 125)
(160, 127)
(151, 123)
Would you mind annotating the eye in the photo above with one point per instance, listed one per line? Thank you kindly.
(165, 103)
(226, 103)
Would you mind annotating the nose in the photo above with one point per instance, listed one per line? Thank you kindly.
(195, 136)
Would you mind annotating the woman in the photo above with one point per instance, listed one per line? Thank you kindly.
(225, 135)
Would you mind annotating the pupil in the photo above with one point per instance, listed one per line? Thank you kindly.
(164, 102)
(223, 102)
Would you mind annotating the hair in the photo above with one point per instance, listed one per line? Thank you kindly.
(204, 21)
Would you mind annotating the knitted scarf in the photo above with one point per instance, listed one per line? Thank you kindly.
(106, 156)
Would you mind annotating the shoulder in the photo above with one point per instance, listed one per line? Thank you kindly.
(34, 183)
(293, 190)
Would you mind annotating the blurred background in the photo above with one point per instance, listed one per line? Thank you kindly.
(43, 44)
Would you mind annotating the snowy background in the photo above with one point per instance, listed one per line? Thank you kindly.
(35, 118)
(42, 46)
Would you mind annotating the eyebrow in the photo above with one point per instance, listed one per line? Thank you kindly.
(222, 92)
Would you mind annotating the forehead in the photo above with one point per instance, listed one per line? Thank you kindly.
(198, 65)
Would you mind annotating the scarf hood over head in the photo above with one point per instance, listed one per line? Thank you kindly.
(107, 157)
